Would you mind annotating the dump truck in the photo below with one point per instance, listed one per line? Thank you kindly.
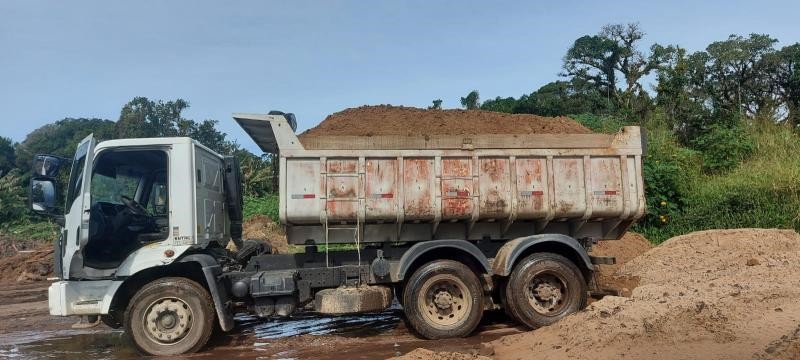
(449, 226)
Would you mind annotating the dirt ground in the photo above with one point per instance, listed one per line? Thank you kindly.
(721, 294)
(27, 266)
(262, 228)
(408, 121)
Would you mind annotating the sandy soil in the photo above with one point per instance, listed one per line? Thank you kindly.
(722, 294)
(407, 121)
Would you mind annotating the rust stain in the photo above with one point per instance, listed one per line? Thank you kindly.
(417, 190)
(456, 167)
(495, 168)
(343, 166)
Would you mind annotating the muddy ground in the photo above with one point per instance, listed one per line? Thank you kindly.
(27, 330)
(727, 294)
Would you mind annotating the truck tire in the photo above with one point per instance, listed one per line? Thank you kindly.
(544, 288)
(170, 316)
(443, 299)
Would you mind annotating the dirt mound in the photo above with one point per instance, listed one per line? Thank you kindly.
(36, 265)
(408, 121)
(624, 250)
(721, 294)
(425, 354)
(261, 227)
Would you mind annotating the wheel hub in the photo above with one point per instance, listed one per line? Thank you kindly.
(546, 294)
(443, 300)
(168, 320)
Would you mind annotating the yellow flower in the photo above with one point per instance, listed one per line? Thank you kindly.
(663, 203)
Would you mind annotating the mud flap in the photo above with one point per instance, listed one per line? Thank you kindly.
(219, 295)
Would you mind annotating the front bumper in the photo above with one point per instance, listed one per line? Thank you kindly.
(66, 298)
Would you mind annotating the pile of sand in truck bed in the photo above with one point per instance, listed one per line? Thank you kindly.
(719, 294)
(410, 121)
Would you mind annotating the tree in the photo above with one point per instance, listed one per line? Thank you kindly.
(738, 75)
(142, 117)
(596, 60)
(471, 101)
(7, 157)
(13, 202)
(437, 105)
(61, 138)
(681, 94)
(563, 98)
(499, 104)
(787, 81)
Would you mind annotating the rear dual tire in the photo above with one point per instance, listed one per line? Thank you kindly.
(443, 299)
(544, 288)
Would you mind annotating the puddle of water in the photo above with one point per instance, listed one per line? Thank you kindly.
(259, 334)
(67, 344)
(303, 336)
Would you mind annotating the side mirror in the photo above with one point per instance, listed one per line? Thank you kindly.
(43, 195)
(47, 165)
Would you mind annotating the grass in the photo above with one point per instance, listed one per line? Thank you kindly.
(267, 205)
(763, 191)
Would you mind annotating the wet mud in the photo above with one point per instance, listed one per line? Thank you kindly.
(28, 332)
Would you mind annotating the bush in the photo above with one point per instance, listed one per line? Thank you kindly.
(606, 124)
(667, 169)
(265, 205)
(13, 200)
(723, 147)
(764, 191)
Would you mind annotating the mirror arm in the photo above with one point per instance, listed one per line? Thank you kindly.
(59, 219)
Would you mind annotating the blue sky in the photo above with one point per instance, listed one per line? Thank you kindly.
(87, 58)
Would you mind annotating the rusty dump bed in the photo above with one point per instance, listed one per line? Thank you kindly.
(342, 189)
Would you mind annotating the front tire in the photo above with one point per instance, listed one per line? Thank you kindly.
(544, 288)
(443, 299)
(170, 316)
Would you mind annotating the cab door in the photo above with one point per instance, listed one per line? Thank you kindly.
(78, 205)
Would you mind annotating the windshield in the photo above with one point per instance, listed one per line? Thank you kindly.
(114, 182)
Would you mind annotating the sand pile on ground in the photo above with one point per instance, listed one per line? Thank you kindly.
(721, 294)
(262, 228)
(425, 354)
(36, 265)
(410, 121)
(624, 250)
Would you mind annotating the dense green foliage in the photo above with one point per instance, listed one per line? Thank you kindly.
(264, 205)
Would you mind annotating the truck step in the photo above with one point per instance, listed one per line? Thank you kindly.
(349, 300)
(603, 260)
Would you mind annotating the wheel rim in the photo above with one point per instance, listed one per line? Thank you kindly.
(444, 300)
(547, 293)
(167, 320)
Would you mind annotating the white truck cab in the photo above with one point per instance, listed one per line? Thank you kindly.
(131, 205)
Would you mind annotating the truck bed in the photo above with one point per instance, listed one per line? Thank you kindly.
(343, 189)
